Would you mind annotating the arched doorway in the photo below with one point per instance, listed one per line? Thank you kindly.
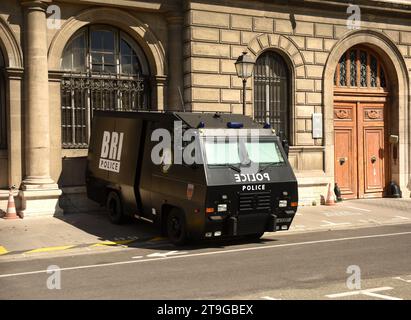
(361, 117)
(105, 69)
(271, 92)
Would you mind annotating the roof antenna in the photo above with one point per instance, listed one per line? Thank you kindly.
(181, 98)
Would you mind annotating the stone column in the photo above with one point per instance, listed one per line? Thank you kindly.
(15, 78)
(160, 91)
(175, 62)
(56, 163)
(39, 192)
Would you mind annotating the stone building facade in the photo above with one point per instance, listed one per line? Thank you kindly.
(57, 58)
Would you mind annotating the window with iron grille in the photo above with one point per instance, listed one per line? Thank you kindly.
(360, 68)
(271, 92)
(104, 70)
(3, 120)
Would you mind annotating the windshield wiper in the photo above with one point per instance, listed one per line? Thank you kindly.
(238, 169)
(267, 166)
(226, 165)
(233, 167)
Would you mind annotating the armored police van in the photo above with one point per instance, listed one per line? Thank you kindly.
(195, 175)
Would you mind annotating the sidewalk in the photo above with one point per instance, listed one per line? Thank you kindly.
(92, 231)
(77, 231)
(359, 213)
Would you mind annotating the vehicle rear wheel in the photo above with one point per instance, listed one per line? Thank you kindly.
(176, 227)
(115, 208)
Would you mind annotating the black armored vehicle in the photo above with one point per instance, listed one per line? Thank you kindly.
(195, 175)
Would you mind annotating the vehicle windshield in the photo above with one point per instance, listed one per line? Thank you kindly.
(240, 152)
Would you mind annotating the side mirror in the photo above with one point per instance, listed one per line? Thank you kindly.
(286, 146)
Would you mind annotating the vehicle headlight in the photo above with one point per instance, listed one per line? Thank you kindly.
(222, 207)
(282, 204)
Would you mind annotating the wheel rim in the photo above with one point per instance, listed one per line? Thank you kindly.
(113, 208)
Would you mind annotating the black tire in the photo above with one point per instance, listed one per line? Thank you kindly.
(115, 208)
(176, 227)
(254, 236)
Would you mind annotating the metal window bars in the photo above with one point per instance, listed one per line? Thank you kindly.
(271, 100)
(83, 93)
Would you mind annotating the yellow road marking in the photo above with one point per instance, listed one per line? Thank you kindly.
(3, 250)
(158, 239)
(112, 243)
(48, 249)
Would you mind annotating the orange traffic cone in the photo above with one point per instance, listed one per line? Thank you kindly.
(330, 197)
(11, 207)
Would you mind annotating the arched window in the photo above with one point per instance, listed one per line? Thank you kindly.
(360, 68)
(3, 120)
(271, 92)
(105, 70)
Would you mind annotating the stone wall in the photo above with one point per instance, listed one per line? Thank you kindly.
(146, 23)
(75, 17)
(216, 35)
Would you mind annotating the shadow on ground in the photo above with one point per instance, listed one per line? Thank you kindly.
(142, 233)
(98, 224)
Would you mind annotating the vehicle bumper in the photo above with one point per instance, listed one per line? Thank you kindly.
(246, 224)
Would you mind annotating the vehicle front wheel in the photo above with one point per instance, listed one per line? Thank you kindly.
(176, 227)
(254, 236)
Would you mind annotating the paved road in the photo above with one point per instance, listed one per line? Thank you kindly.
(84, 232)
(290, 266)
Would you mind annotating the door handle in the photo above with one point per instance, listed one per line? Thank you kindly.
(342, 160)
(373, 159)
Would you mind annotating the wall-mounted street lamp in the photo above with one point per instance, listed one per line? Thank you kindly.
(244, 67)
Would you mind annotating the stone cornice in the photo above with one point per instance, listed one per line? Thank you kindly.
(56, 75)
(40, 5)
(174, 18)
(167, 5)
(373, 5)
(151, 6)
(15, 73)
(402, 7)
(160, 79)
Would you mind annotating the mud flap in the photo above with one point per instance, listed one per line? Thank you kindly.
(272, 223)
(232, 226)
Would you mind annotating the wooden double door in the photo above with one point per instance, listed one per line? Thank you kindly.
(360, 148)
